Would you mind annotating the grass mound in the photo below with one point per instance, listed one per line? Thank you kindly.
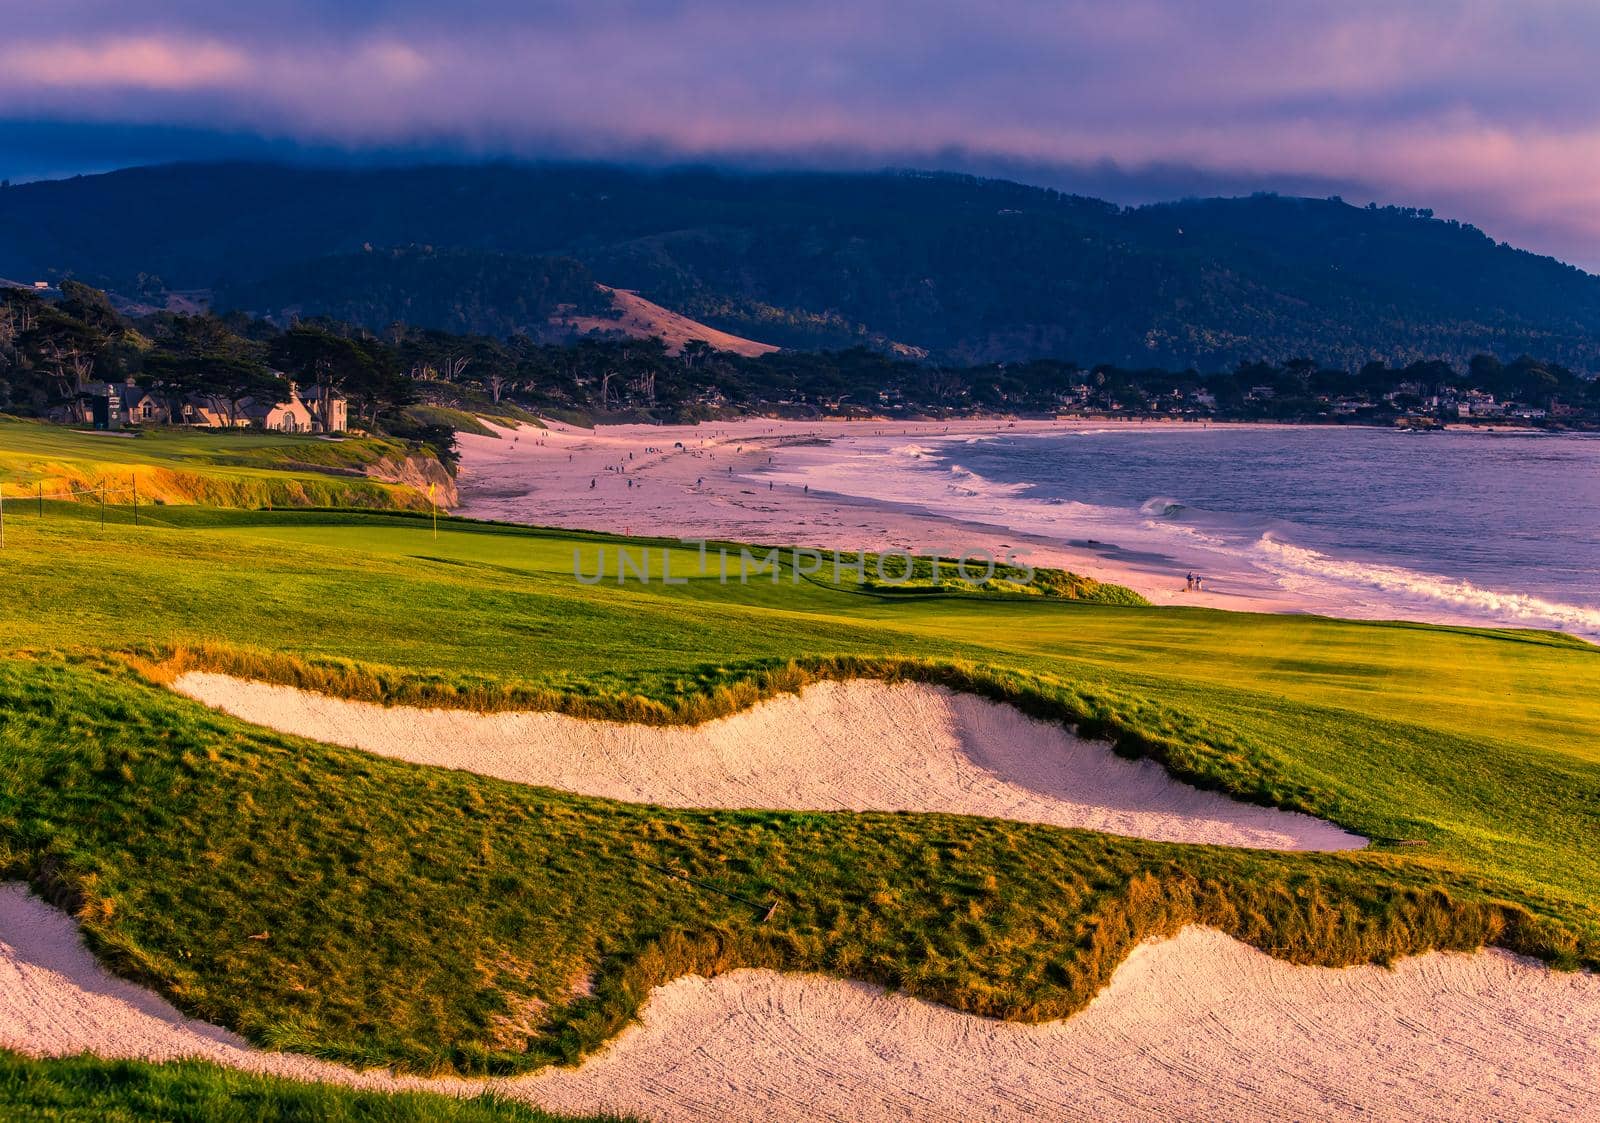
(891, 576)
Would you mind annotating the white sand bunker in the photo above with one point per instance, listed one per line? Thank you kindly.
(1198, 1027)
(862, 745)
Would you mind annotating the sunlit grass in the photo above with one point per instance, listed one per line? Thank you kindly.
(419, 916)
(96, 1091)
(50, 464)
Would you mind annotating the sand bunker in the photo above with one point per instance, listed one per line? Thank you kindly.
(1197, 1027)
(855, 746)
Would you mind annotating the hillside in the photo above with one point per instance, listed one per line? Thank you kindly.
(637, 318)
(966, 269)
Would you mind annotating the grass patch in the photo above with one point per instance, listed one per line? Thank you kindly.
(91, 1089)
(890, 575)
(457, 419)
(439, 920)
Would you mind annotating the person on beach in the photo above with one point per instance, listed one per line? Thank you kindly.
(1199, 583)
(1188, 583)
(591, 483)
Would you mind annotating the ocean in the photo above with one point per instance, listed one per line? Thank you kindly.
(1459, 526)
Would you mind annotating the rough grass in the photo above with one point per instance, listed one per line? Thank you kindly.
(415, 916)
(889, 575)
(91, 1090)
(421, 917)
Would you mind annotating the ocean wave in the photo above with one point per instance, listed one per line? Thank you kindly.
(1399, 581)
(964, 481)
(1162, 507)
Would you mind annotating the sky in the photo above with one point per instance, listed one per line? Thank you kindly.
(1485, 110)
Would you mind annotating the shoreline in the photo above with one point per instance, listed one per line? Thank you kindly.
(849, 485)
(543, 477)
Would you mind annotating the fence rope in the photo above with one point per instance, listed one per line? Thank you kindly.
(95, 491)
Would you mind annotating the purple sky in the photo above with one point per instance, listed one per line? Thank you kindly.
(1485, 110)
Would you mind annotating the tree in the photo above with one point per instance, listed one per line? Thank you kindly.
(235, 380)
(176, 377)
(66, 349)
(92, 307)
(378, 384)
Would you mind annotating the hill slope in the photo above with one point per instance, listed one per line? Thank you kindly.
(639, 318)
(964, 268)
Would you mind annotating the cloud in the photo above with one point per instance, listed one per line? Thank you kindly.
(1487, 109)
(138, 62)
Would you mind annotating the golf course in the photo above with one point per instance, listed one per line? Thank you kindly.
(353, 900)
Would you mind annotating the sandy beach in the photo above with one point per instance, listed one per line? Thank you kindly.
(767, 481)
(879, 485)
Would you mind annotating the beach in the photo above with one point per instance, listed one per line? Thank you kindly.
(747, 481)
(879, 485)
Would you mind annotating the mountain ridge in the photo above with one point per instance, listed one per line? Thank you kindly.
(958, 267)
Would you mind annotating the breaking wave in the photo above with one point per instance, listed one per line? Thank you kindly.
(1286, 558)
(964, 481)
(1161, 507)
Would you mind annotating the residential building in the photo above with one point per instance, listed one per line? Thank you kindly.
(113, 405)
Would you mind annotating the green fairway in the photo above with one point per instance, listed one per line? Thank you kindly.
(440, 920)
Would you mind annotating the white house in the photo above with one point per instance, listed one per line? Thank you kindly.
(300, 412)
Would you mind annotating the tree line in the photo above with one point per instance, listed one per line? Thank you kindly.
(51, 350)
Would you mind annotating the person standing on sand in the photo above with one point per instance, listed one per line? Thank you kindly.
(1188, 583)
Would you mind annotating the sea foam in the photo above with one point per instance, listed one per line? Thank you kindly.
(1288, 559)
